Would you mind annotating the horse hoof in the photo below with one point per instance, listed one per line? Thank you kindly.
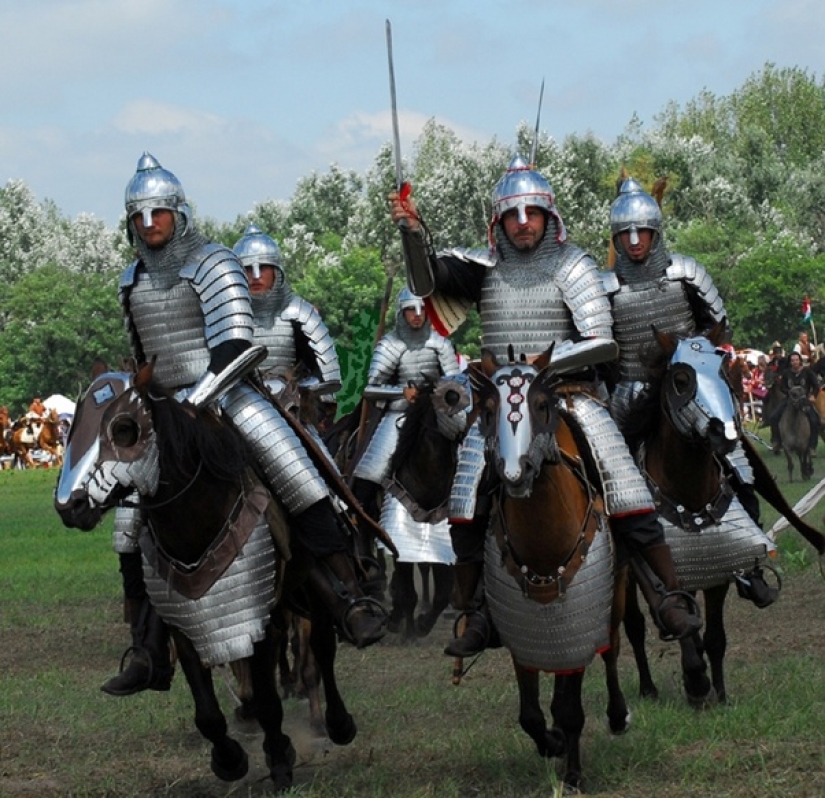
(620, 725)
(281, 774)
(554, 744)
(342, 733)
(235, 770)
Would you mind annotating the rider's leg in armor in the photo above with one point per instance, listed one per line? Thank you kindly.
(372, 557)
(150, 667)
(291, 474)
(642, 535)
(360, 619)
(468, 545)
(752, 585)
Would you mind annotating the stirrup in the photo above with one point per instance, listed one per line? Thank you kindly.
(691, 609)
(486, 632)
(344, 625)
(745, 586)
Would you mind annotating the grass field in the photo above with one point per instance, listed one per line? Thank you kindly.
(61, 636)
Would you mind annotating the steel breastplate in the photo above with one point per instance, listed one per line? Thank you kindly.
(635, 308)
(523, 307)
(170, 324)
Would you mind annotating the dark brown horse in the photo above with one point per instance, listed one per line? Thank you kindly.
(688, 423)
(548, 515)
(414, 511)
(795, 433)
(203, 507)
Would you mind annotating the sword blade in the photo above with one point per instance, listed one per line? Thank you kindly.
(396, 136)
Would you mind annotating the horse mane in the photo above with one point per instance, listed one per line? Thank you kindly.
(411, 429)
(189, 438)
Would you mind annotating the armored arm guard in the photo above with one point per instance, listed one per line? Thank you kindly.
(220, 282)
(702, 293)
(584, 293)
(317, 335)
(381, 378)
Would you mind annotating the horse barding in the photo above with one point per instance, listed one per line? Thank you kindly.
(215, 549)
(550, 574)
(415, 496)
(682, 431)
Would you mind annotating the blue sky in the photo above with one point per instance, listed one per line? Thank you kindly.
(241, 98)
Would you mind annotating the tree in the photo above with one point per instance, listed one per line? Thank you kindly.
(56, 322)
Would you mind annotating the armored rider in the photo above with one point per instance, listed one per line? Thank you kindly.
(533, 289)
(186, 302)
(297, 340)
(401, 358)
(651, 286)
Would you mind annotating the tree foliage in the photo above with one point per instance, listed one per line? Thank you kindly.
(745, 196)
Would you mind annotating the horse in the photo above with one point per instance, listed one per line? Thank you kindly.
(548, 540)
(795, 433)
(414, 508)
(685, 425)
(203, 506)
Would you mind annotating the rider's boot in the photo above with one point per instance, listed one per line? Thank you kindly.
(753, 587)
(150, 666)
(672, 611)
(476, 635)
(360, 619)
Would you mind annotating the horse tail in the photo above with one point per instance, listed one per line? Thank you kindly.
(766, 486)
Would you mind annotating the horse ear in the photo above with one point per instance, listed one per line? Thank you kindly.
(544, 359)
(716, 334)
(99, 367)
(489, 363)
(665, 340)
(144, 376)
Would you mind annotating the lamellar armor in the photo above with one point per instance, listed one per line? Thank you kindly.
(552, 294)
(182, 301)
(400, 358)
(281, 316)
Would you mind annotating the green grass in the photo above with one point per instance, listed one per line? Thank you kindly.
(61, 635)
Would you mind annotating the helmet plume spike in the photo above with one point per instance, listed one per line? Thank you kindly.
(535, 146)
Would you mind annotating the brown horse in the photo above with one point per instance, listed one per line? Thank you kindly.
(203, 506)
(29, 436)
(548, 514)
(688, 423)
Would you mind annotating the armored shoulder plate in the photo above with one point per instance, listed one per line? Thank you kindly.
(687, 270)
(611, 282)
(317, 334)
(485, 257)
(584, 292)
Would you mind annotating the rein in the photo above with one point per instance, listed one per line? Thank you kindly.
(144, 506)
(544, 588)
(677, 514)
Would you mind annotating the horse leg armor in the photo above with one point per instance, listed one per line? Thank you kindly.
(150, 667)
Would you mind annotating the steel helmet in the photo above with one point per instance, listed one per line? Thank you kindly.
(255, 249)
(407, 299)
(154, 187)
(635, 209)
